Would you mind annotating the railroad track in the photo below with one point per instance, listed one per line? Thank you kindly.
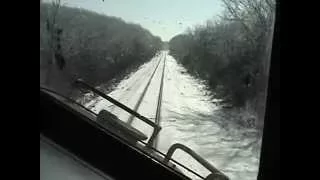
(133, 136)
(157, 118)
(159, 104)
(137, 105)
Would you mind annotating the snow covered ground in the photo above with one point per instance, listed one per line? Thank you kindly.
(189, 117)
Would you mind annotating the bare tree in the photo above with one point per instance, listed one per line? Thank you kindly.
(232, 54)
(254, 15)
(257, 17)
(54, 40)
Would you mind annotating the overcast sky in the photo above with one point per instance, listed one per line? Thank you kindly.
(164, 18)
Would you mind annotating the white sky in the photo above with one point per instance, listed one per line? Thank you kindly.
(164, 18)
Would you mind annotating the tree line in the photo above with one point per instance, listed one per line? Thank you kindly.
(231, 53)
(77, 43)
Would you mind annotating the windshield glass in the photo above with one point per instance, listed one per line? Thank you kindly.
(196, 68)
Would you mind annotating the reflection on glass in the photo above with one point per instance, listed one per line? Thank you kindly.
(57, 163)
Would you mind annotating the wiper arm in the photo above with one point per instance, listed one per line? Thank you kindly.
(156, 127)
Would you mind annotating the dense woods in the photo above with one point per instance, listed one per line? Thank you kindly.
(232, 53)
(77, 43)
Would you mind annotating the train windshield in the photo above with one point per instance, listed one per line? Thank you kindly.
(190, 72)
